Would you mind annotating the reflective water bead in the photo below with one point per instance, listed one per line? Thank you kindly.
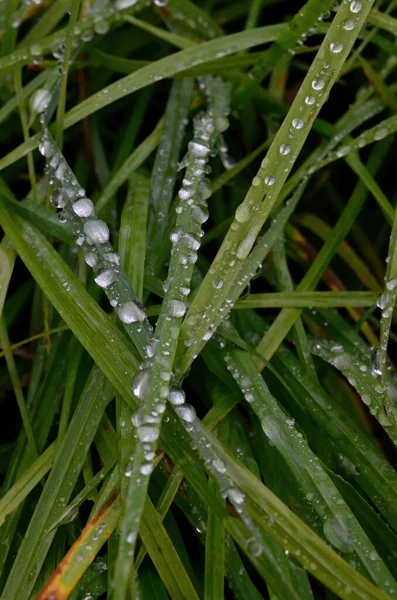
(349, 24)
(218, 284)
(83, 207)
(146, 433)
(130, 313)
(269, 180)
(177, 308)
(318, 84)
(97, 231)
(120, 4)
(58, 198)
(297, 123)
(310, 100)
(105, 278)
(236, 496)
(198, 149)
(285, 149)
(219, 465)
(176, 396)
(242, 213)
(392, 284)
(336, 47)
(141, 383)
(186, 413)
(91, 259)
(40, 100)
(356, 6)
(146, 469)
(256, 181)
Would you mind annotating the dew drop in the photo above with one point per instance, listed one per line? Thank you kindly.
(349, 24)
(356, 6)
(130, 313)
(91, 259)
(256, 181)
(242, 213)
(186, 413)
(177, 308)
(105, 278)
(269, 180)
(310, 100)
(297, 123)
(83, 207)
(40, 100)
(146, 469)
(219, 465)
(141, 383)
(285, 149)
(176, 396)
(236, 496)
(97, 231)
(120, 4)
(318, 84)
(218, 284)
(336, 47)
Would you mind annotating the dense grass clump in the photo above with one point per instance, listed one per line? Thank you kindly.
(198, 275)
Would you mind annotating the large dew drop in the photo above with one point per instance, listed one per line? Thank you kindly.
(186, 413)
(146, 433)
(105, 278)
(176, 396)
(97, 231)
(141, 383)
(83, 207)
(130, 313)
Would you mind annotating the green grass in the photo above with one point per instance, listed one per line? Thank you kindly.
(197, 381)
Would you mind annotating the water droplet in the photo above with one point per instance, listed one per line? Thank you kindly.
(83, 207)
(176, 396)
(186, 413)
(242, 213)
(219, 465)
(130, 313)
(91, 259)
(285, 149)
(256, 181)
(146, 469)
(141, 383)
(336, 47)
(105, 278)
(177, 308)
(120, 4)
(349, 24)
(269, 180)
(218, 284)
(318, 84)
(298, 123)
(40, 100)
(198, 149)
(147, 433)
(310, 100)
(97, 231)
(236, 495)
(356, 6)
(391, 284)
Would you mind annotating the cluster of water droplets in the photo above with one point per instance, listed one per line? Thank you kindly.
(92, 235)
(364, 376)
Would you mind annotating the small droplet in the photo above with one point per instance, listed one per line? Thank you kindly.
(310, 100)
(91, 259)
(269, 180)
(285, 149)
(40, 100)
(318, 84)
(297, 123)
(349, 24)
(356, 6)
(218, 284)
(219, 465)
(336, 47)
